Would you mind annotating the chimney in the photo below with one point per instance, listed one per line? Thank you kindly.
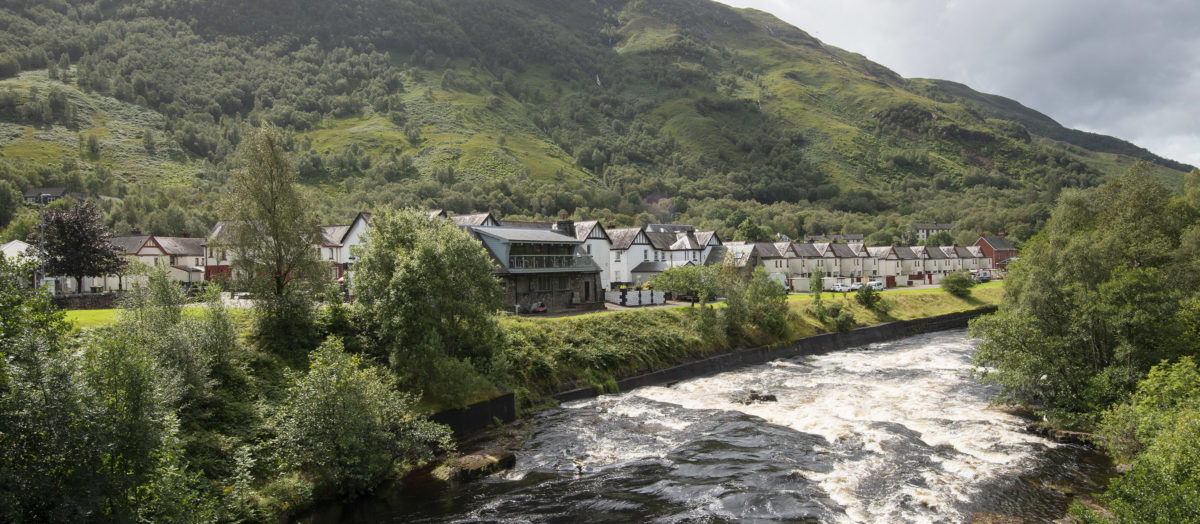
(565, 226)
(611, 224)
(185, 234)
(1001, 235)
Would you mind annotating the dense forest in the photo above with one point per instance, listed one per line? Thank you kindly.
(624, 111)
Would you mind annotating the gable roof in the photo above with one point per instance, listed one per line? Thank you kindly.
(332, 236)
(929, 252)
(129, 244)
(842, 251)
(584, 229)
(905, 253)
(998, 243)
(623, 237)
(806, 250)
(882, 252)
(182, 246)
(706, 237)
(475, 219)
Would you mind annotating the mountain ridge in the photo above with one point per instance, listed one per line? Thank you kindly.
(603, 109)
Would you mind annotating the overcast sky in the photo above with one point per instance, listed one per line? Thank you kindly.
(1130, 69)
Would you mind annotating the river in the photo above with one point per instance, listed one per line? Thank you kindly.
(894, 432)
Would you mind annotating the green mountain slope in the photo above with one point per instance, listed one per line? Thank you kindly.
(625, 110)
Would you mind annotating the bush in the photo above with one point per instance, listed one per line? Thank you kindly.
(844, 321)
(345, 426)
(958, 283)
(869, 298)
(1156, 433)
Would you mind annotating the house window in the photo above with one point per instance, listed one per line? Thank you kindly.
(197, 261)
(222, 256)
(645, 254)
(589, 249)
(695, 256)
(618, 257)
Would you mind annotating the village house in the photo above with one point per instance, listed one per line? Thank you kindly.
(638, 254)
(182, 258)
(543, 266)
(927, 229)
(998, 249)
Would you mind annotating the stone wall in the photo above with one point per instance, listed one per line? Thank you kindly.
(85, 301)
(815, 345)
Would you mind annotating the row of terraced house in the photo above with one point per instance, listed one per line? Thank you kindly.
(567, 265)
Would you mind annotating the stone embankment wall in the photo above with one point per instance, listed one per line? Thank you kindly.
(814, 345)
(483, 414)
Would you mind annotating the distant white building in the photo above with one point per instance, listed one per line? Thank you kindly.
(14, 250)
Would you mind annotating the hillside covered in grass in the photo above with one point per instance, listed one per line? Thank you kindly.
(621, 110)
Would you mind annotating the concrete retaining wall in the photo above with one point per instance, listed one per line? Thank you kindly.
(814, 345)
(478, 415)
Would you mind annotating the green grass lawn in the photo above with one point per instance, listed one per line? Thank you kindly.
(90, 318)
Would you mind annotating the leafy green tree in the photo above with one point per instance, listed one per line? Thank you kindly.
(941, 238)
(702, 282)
(10, 202)
(1155, 433)
(958, 283)
(816, 285)
(767, 302)
(272, 232)
(1100, 296)
(76, 243)
(344, 424)
(427, 288)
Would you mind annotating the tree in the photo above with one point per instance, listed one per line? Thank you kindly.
(701, 282)
(958, 283)
(428, 290)
(10, 202)
(76, 243)
(1103, 293)
(272, 231)
(344, 424)
(941, 238)
(816, 285)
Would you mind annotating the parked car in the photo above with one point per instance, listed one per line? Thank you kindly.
(840, 288)
(876, 284)
(856, 286)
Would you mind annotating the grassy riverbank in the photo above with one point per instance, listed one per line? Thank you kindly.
(545, 354)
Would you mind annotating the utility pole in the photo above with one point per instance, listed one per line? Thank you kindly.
(41, 281)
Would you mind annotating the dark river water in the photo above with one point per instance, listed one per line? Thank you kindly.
(893, 432)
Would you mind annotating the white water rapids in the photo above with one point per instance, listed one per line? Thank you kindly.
(894, 432)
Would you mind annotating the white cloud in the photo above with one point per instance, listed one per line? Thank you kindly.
(1123, 68)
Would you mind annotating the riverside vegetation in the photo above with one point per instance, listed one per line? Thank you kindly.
(177, 413)
(1099, 331)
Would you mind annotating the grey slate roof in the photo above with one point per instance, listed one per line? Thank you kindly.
(999, 243)
(475, 219)
(881, 252)
(129, 244)
(650, 267)
(703, 237)
(905, 253)
(513, 234)
(623, 237)
(583, 229)
(806, 250)
(661, 241)
(183, 246)
(332, 235)
(934, 225)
